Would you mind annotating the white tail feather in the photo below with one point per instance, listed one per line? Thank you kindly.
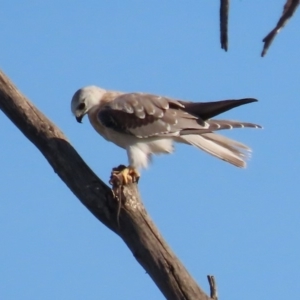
(219, 146)
(225, 140)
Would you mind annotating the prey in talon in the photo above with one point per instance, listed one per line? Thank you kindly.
(124, 175)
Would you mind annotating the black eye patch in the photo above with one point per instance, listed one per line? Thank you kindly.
(81, 106)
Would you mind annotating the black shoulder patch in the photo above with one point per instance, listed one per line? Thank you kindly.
(108, 119)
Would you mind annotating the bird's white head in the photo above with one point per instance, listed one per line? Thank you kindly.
(84, 99)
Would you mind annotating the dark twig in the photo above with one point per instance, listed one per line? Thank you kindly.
(213, 287)
(288, 10)
(224, 9)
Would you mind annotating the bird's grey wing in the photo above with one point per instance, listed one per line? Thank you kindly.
(145, 115)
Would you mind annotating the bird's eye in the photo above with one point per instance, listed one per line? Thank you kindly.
(81, 106)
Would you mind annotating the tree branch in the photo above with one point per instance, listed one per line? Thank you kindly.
(213, 287)
(224, 10)
(288, 11)
(136, 228)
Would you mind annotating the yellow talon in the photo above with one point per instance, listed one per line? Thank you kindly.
(124, 175)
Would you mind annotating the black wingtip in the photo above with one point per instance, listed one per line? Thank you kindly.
(247, 100)
(207, 110)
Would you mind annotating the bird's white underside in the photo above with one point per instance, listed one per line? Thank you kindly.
(139, 150)
(139, 154)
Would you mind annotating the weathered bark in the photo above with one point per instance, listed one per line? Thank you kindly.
(135, 226)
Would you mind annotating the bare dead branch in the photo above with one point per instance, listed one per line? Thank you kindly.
(213, 287)
(136, 228)
(288, 11)
(224, 10)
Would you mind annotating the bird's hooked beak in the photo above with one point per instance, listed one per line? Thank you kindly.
(79, 119)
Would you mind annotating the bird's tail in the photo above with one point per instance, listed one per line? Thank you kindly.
(220, 146)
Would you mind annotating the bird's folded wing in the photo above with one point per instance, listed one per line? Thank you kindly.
(144, 115)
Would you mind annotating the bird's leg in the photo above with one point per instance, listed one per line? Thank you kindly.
(124, 175)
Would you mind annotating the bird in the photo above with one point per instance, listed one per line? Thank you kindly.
(145, 124)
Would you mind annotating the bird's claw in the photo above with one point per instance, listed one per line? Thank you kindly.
(123, 175)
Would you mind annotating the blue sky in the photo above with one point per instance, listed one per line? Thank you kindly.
(240, 225)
